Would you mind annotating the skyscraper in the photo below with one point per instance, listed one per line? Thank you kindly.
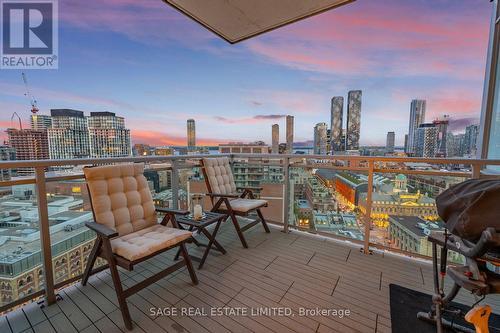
(68, 136)
(275, 136)
(191, 134)
(108, 136)
(406, 143)
(289, 134)
(336, 124)
(426, 140)
(455, 145)
(389, 145)
(417, 117)
(470, 140)
(442, 126)
(353, 119)
(320, 140)
(40, 121)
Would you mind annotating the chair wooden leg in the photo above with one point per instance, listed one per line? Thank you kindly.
(122, 301)
(91, 260)
(238, 230)
(264, 223)
(177, 255)
(189, 263)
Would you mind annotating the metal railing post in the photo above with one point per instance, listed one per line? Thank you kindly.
(286, 194)
(368, 213)
(43, 221)
(175, 185)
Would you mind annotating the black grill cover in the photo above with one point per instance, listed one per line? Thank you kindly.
(470, 207)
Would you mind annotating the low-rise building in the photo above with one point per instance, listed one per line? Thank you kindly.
(319, 196)
(251, 172)
(409, 233)
(349, 186)
(141, 149)
(303, 214)
(258, 147)
(400, 204)
(161, 179)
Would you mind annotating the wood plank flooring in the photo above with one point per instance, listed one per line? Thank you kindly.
(279, 272)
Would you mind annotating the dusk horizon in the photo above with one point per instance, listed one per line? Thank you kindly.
(159, 72)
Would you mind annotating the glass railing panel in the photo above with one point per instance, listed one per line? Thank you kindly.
(69, 208)
(21, 271)
(186, 188)
(322, 202)
(159, 177)
(327, 196)
(265, 177)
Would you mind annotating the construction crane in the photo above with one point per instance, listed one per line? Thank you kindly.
(34, 108)
(19, 118)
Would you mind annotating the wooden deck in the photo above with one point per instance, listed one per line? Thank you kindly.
(291, 271)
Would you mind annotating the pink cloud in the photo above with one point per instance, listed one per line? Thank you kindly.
(303, 57)
(397, 39)
(164, 139)
(456, 101)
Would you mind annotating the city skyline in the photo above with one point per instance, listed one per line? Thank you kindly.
(154, 114)
(282, 77)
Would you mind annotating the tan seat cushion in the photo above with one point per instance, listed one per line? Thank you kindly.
(219, 175)
(144, 242)
(245, 205)
(121, 198)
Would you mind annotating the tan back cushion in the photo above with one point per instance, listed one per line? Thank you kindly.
(121, 198)
(219, 175)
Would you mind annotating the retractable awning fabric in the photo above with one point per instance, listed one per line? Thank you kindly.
(237, 20)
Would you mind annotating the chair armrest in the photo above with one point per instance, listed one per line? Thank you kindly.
(172, 211)
(250, 188)
(219, 195)
(102, 230)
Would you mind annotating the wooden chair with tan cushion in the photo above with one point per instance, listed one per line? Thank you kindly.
(225, 196)
(127, 227)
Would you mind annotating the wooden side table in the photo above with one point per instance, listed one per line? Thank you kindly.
(186, 222)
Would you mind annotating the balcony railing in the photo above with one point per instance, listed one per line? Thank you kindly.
(353, 205)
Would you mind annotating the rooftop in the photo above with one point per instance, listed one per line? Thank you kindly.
(350, 177)
(417, 226)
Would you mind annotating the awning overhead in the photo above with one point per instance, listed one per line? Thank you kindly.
(237, 20)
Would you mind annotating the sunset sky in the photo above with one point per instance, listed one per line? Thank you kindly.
(145, 61)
